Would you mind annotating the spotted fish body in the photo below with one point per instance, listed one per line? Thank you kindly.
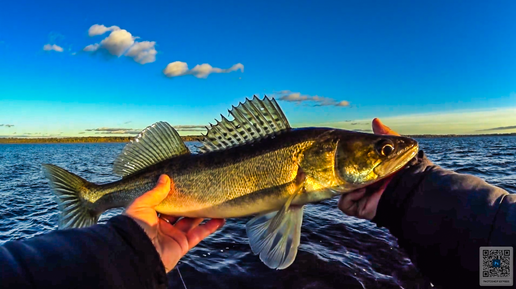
(253, 165)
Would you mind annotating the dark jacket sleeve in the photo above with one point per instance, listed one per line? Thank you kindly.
(442, 218)
(117, 254)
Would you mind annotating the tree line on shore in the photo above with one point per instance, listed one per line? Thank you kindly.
(92, 139)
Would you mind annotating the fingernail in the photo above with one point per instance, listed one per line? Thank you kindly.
(162, 179)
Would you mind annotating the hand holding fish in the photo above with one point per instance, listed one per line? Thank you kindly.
(172, 241)
(363, 203)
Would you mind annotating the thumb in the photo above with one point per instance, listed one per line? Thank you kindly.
(153, 197)
(380, 128)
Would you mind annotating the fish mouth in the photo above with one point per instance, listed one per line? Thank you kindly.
(380, 184)
(388, 168)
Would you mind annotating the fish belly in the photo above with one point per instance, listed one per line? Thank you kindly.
(245, 187)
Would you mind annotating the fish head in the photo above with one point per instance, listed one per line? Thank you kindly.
(362, 159)
(318, 163)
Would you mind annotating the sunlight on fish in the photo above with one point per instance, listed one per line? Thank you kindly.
(255, 164)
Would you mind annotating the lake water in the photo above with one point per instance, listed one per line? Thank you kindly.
(336, 251)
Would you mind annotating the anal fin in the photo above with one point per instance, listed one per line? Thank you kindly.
(276, 236)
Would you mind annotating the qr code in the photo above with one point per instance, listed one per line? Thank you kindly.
(496, 266)
(496, 263)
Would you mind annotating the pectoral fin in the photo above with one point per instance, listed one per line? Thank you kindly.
(276, 236)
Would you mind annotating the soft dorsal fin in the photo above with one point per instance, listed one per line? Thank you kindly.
(154, 144)
(253, 120)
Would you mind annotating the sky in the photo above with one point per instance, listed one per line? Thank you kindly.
(111, 68)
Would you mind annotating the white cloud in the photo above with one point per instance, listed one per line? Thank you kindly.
(118, 42)
(50, 47)
(111, 130)
(179, 68)
(289, 96)
(511, 127)
(176, 68)
(143, 52)
(203, 70)
(92, 47)
(121, 42)
(190, 127)
(326, 101)
(98, 29)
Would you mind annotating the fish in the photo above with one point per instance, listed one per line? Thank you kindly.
(255, 165)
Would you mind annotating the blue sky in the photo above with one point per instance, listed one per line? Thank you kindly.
(421, 66)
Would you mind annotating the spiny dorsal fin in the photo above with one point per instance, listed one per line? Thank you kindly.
(154, 144)
(253, 120)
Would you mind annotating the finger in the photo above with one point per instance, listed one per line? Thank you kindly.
(347, 202)
(186, 224)
(370, 207)
(170, 231)
(355, 195)
(367, 208)
(374, 199)
(153, 197)
(350, 210)
(380, 128)
(169, 219)
(350, 198)
(197, 234)
(360, 207)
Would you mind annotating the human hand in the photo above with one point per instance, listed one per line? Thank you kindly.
(172, 240)
(363, 203)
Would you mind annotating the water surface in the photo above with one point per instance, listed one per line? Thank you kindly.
(336, 251)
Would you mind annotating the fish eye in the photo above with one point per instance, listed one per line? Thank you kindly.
(385, 148)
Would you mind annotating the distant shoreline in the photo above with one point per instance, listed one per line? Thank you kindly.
(459, 135)
(189, 138)
(116, 139)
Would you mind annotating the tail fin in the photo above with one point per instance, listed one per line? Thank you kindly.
(70, 189)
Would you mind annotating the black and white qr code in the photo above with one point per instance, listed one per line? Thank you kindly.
(496, 263)
(496, 266)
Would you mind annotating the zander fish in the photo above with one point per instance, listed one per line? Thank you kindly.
(255, 164)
